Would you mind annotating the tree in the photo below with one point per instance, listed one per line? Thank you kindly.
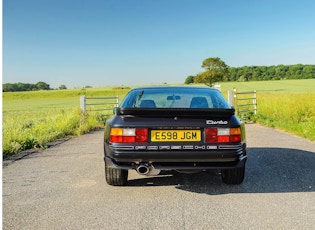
(8, 87)
(214, 64)
(216, 69)
(309, 71)
(62, 87)
(252, 73)
(189, 80)
(42, 86)
(17, 87)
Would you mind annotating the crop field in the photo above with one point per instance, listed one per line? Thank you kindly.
(288, 105)
(32, 119)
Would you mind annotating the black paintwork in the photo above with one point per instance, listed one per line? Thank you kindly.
(202, 156)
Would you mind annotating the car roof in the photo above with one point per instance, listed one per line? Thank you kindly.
(173, 87)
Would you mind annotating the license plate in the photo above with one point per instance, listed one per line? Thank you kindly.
(175, 135)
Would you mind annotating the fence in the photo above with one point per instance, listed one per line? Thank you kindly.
(98, 103)
(243, 102)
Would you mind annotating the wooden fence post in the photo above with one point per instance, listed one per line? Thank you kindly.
(230, 97)
(117, 101)
(83, 103)
(235, 100)
(255, 102)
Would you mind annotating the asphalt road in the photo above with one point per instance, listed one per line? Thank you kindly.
(63, 187)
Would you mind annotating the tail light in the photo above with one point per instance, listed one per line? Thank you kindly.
(224, 135)
(128, 135)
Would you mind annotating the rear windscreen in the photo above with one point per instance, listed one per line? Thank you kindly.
(175, 98)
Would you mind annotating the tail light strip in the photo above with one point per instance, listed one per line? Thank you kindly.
(223, 135)
(140, 135)
(129, 135)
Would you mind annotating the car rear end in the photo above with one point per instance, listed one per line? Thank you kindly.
(173, 137)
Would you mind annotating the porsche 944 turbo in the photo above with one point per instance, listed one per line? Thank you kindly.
(182, 128)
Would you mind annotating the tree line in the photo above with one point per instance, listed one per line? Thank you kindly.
(217, 71)
(278, 72)
(17, 87)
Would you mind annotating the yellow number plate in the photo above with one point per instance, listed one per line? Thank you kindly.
(175, 135)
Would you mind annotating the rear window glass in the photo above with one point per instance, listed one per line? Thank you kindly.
(175, 98)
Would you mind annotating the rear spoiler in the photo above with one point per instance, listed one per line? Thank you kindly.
(175, 112)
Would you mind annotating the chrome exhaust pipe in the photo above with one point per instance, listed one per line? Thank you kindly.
(147, 169)
(143, 169)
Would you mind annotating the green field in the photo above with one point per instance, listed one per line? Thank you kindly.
(280, 86)
(31, 119)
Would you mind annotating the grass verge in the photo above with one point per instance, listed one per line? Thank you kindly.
(294, 113)
(34, 130)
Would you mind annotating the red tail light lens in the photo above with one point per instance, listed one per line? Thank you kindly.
(211, 135)
(128, 139)
(224, 139)
(116, 139)
(128, 135)
(223, 135)
(142, 132)
(141, 135)
(236, 138)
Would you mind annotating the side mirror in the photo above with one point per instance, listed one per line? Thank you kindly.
(114, 110)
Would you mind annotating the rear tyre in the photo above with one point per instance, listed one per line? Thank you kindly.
(116, 177)
(233, 176)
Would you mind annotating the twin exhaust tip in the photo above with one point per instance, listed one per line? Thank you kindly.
(146, 169)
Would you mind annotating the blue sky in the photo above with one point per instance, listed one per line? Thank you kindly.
(130, 42)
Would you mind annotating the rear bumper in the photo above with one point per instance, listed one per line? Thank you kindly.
(177, 160)
(179, 165)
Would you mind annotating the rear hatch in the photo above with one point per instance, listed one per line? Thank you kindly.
(180, 126)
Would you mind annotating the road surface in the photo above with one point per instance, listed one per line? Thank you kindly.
(63, 187)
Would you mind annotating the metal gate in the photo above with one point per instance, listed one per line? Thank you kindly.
(88, 104)
(243, 102)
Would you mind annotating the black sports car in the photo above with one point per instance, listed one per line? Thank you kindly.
(184, 128)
